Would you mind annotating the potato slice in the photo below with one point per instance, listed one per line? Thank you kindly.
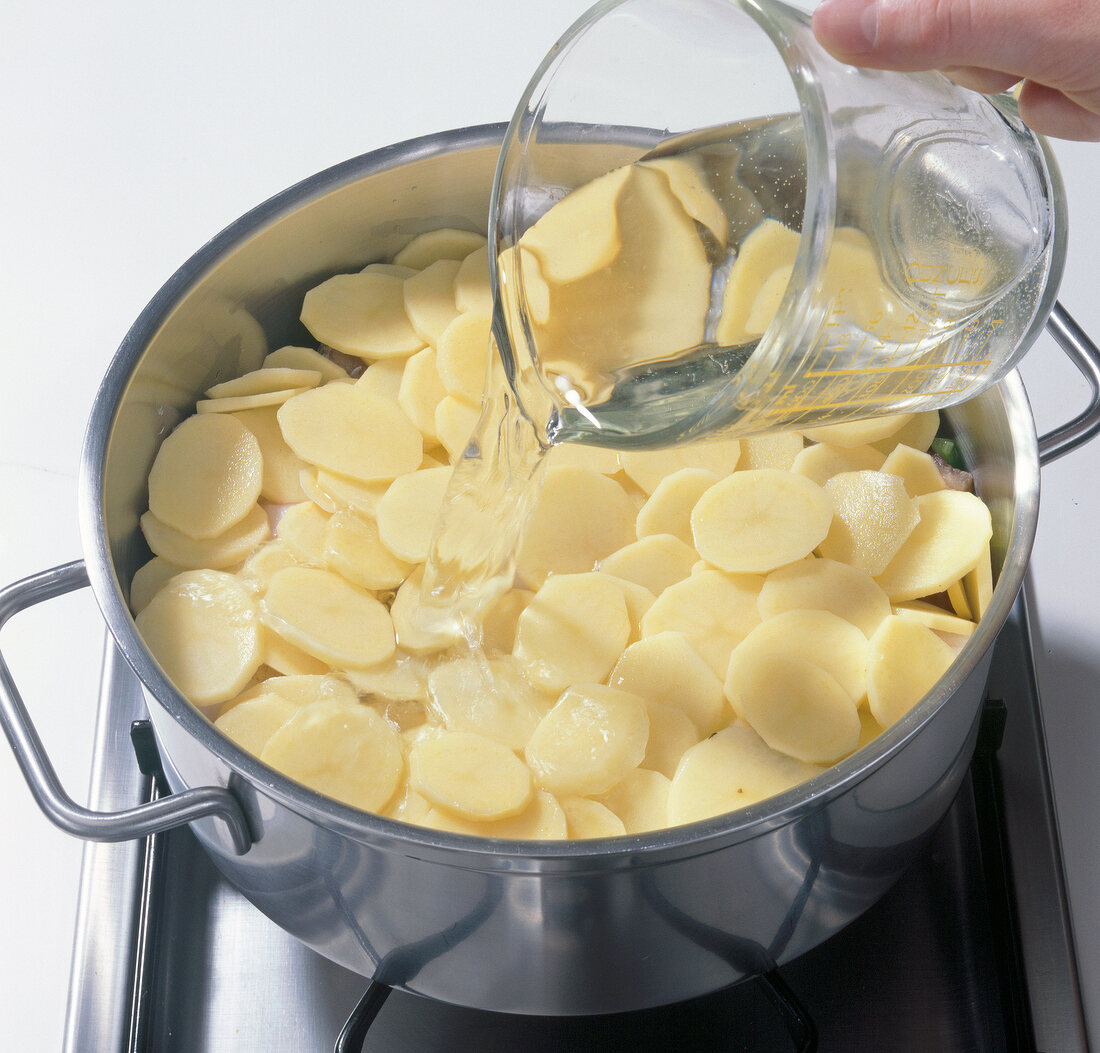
(455, 421)
(148, 580)
(489, 697)
(264, 381)
(758, 520)
(353, 548)
(715, 611)
(907, 660)
(589, 741)
(689, 185)
(402, 678)
(348, 753)
(302, 528)
(498, 624)
(408, 512)
(666, 669)
(732, 769)
(263, 563)
(821, 461)
(361, 315)
(445, 243)
(917, 432)
(343, 492)
(280, 481)
(572, 631)
(656, 562)
(395, 270)
(251, 723)
(951, 537)
(285, 658)
(472, 290)
(577, 455)
(766, 252)
(795, 706)
(825, 585)
(916, 469)
(291, 357)
(935, 618)
(338, 428)
(542, 820)
(587, 819)
(301, 690)
(430, 299)
(580, 518)
(202, 627)
(872, 517)
(640, 800)
(819, 637)
(579, 235)
(667, 510)
(421, 392)
(859, 432)
(777, 450)
(328, 617)
(216, 553)
(960, 602)
(382, 379)
(649, 468)
(978, 583)
(470, 776)
(206, 477)
(421, 629)
(463, 356)
(239, 403)
(671, 734)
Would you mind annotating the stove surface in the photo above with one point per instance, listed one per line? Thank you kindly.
(970, 951)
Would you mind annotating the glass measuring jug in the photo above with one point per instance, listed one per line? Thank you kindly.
(705, 223)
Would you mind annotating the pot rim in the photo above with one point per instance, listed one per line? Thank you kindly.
(458, 849)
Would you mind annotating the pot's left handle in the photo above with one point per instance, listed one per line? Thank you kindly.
(60, 808)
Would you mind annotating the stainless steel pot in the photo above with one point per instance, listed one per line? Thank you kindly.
(543, 928)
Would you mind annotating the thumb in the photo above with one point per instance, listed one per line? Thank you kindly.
(1010, 36)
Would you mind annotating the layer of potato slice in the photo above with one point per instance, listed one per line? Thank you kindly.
(430, 299)
(251, 723)
(408, 512)
(203, 628)
(656, 561)
(916, 469)
(640, 800)
(265, 380)
(572, 631)
(777, 450)
(859, 432)
(471, 776)
(826, 585)
(758, 520)
(353, 548)
(206, 477)
(361, 315)
(463, 352)
(292, 357)
(148, 579)
(732, 769)
(872, 517)
(822, 460)
(282, 467)
(472, 291)
(328, 617)
(796, 707)
(907, 659)
(951, 537)
(689, 185)
(542, 820)
(338, 428)
(650, 468)
(348, 753)
(586, 818)
(445, 243)
(228, 549)
(671, 734)
(592, 737)
(749, 301)
(667, 510)
(935, 618)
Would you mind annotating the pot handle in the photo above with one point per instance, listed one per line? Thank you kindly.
(1086, 357)
(59, 807)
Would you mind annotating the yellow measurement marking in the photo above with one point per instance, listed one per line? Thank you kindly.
(869, 371)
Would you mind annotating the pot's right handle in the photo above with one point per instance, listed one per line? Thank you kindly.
(59, 807)
(1086, 357)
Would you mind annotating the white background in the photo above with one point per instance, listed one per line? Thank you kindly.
(131, 133)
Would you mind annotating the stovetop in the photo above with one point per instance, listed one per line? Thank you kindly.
(970, 951)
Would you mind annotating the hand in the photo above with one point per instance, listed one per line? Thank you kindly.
(1051, 46)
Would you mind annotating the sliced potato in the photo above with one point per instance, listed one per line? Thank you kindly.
(291, 357)
(251, 723)
(916, 470)
(666, 669)
(217, 553)
(825, 585)
(265, 380)
(353, 548)
(463, 352)
(446, 243)
(470, 776)
(489, 697)
(732, 769)
(361, 315)
(455, 421)
(795, 706)
(917, 432)
(935, 618)
(421, 392)
(859, 432)
(715, 611)
(656, 562)
(280, 481)
(421, 628)
(650, 468)
(338, 428)
(667, 510)
(872, 517)
(906, 661)
(206, 477)
(589, 741)
(348, 753)
(382, 379)
(586, 818)
(472, 291)
(430, 299)
(282, 656)
(953, 533)
(328, 617)
(542, 820)
(822, 460)
(640, 800)
(302, 528)
(777, 450)
(671, 734)
(202, 627)
(572, 631)
(978, 583)
(408, 512)
(689, 185)
(755, 521)
(148, 579)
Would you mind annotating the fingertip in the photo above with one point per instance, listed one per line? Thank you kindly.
(846, 27)
(1049, 112)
